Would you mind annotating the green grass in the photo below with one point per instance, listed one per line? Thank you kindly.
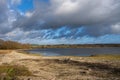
(9, 72)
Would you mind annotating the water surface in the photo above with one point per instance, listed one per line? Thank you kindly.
(75, 51)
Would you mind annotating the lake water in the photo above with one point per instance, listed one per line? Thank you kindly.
(75, 51)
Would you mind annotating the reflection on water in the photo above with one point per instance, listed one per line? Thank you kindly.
(75, 51)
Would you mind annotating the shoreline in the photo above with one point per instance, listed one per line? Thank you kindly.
(81, 52)
(64, 67)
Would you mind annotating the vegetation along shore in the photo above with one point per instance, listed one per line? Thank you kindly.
(16, 45)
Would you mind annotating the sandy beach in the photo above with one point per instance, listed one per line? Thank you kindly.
(63, 68)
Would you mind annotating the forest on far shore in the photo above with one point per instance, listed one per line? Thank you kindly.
(13, 45)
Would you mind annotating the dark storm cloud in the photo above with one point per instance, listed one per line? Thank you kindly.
(3, 15)
(6, 17)
(3, 9)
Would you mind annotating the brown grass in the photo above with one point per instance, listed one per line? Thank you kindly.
(106, 57)
(11, 72)
(5, 51)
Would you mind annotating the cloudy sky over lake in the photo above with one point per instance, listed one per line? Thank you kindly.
(60, 21)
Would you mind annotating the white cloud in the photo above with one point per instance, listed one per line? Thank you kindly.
(84, 9)
(116, 28)
(29, 14)
(66, 6)
(15, 2)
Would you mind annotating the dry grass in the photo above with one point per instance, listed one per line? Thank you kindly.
(11, 72)
(106, 57)
(5, 51)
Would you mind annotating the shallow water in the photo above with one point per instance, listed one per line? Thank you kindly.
(75, 51)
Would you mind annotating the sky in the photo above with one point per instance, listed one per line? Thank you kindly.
(60, 21)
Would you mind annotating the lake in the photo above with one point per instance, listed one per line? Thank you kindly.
(75, 51)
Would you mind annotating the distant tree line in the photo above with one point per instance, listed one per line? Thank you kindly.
(76, 46)
(13, 45)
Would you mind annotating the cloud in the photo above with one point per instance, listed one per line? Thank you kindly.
(73, 13)
(59, 19)
(3, 17)
(82, 40)
(15, 2)
(116, 27)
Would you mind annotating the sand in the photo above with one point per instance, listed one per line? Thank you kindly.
(63, 68)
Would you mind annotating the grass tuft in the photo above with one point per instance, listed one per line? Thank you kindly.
(8, 72)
